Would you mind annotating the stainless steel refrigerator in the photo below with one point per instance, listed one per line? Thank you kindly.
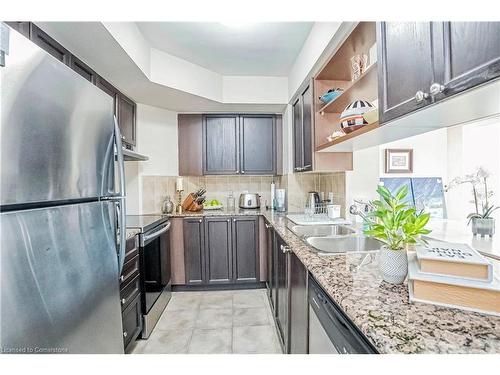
(62, 246)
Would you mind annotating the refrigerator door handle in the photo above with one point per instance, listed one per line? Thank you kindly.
(121, 204)
(120, 210)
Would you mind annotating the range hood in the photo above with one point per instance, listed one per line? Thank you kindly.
(129, 155)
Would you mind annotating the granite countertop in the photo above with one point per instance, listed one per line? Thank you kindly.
(222, 212)
(383, 312)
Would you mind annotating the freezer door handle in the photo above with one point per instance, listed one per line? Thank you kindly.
(121, 201)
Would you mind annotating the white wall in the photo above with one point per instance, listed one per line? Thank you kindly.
(318, 39)
(476, 145)
(254, 89)
(157, 139)
(429, 160)
(171, 71)
(128, 35)
(429, 154)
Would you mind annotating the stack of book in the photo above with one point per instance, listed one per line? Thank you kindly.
(453, 275)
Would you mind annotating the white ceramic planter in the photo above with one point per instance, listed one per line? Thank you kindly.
(393, 265)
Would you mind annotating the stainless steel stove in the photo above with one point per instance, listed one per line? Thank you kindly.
(155, 275)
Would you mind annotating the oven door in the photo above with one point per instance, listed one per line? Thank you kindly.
(155, 265)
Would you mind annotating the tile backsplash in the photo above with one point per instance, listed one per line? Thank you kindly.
(156, 188)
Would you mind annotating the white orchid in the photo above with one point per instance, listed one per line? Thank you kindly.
(479, 182)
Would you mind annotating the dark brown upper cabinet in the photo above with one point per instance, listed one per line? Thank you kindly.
(42, 39)
(230, 144)
(245, 249)
(124, 108)
(83, 69)
(302, 130)
(220, 144)
(24, 27)
(126, 116)
(257, 144)
(219, 255)
(424, 62)
(471, 55)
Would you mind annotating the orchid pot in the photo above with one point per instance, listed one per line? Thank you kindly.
(483, 226)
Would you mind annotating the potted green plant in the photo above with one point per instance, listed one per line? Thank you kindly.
(482, 222)
(398, 225)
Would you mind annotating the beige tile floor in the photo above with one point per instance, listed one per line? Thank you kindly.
(233, 321)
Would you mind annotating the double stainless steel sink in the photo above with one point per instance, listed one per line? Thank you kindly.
(335, 238)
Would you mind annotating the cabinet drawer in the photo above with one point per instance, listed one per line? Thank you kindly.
(132, 322)
(129, 292)
(131, 248)
(130, 270)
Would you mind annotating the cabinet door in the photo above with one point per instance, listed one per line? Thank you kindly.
(405, 67)
(21, 26)
(271, 272)
(257, 144)
(83, 69)
(282, 291)
(220, 144)
(307, 124)
(218, 250)
(298, 155)
(194, 253)
(131, 322)
(471, 55)
(298, 306)
(43, 40)
(125, 113)
(245, 249)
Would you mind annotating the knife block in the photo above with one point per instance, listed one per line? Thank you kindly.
(190, 204)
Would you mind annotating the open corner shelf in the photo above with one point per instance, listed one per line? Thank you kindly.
(347, 137)
(361, 89)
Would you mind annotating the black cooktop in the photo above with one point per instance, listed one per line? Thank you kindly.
(145, 222)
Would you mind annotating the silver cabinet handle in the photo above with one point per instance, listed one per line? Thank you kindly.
(242, 171)
(122, 278)
(285, 249)
(306, 166)
(125, 334)
(123, 301)
(200, 220)
(420, 96)
(228, 220)
(436, 88)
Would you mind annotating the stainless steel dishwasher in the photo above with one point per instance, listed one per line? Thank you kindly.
(330, 331)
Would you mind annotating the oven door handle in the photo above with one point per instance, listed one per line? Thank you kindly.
(148, 237)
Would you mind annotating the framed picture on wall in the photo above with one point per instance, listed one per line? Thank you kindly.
(398, 160)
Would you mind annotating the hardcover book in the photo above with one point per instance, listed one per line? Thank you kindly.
(448, 291)
(455, 260)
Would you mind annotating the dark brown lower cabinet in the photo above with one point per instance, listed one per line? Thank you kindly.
(271, 272)
(132, 322)
(219, 257)
(194, 251)
(221, 250)
(282, 294)
(245, 249)
(130, 297)
(298, 306)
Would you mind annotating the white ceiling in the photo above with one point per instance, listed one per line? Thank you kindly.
(265, 49)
